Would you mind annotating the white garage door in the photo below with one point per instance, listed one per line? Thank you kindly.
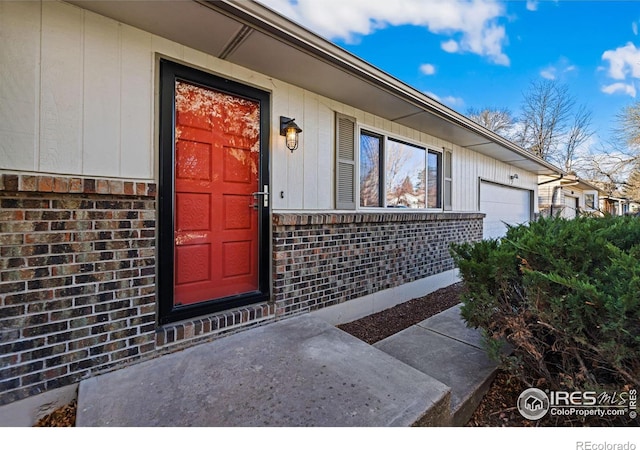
(503, 204)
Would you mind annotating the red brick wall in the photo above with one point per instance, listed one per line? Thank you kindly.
(77, 279)
(324, 259)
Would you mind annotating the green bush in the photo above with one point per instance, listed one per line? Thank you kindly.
(565, 294)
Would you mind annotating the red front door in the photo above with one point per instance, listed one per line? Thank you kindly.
(216, 218)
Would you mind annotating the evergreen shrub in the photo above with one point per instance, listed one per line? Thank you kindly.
(565, 296)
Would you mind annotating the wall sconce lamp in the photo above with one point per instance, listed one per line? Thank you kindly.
(291, 130)
(513, 177)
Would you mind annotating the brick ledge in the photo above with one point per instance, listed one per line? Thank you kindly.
(12, 182)
(285, 219)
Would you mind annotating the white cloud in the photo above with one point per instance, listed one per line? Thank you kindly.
(624, 88)
(549, 73)
(623, 62)
(624, 67)
(450, 46)
(448, 100)
(428, 69)
(558, 69)
(634, 28)
(532, 5)
(473, 25)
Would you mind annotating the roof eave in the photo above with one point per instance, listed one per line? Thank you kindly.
(268, 20)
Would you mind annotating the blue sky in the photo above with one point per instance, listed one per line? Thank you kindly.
(484, 53)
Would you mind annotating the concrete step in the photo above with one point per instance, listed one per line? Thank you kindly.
(444, 348)
(298, 372)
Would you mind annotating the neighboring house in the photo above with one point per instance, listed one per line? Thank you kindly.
(149, 202)
(616, 205)
(567, 196)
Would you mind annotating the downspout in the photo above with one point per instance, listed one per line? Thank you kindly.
(554, 197)
(555, 191)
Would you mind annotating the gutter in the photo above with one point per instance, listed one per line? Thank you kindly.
(551, 181)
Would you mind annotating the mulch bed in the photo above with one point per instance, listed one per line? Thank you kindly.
(381, 325)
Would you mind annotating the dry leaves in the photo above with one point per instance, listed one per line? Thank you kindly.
(61, 417)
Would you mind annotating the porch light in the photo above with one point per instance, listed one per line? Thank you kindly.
(290, 130)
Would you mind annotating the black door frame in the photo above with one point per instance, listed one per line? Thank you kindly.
(170, 72)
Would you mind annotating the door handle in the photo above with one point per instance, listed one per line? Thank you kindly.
(265, 195)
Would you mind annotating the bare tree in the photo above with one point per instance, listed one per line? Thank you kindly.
(609, 167)
(629, 125)
(617, 165)
(498, 120)
(552, 126)
(579, 133)
(632, 187)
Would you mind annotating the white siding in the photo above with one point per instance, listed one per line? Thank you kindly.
(296, 181)
(470, 167)
(78, 97)
(101, 150)
(76, 90)
(19, 81)
(61, 89)
(136, 104)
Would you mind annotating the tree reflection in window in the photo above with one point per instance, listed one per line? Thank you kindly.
(590, 201)
(405, 175)
(434, 196)
(370, 153)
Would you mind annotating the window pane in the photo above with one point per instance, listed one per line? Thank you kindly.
(370, 170)
(434, 183)
(405, 175)
(589, 200)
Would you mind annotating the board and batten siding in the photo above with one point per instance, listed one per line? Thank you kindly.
(76, 93)
(469, 167)
(78, 97)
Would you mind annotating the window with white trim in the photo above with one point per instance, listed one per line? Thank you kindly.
(590, 201)
(392, 173)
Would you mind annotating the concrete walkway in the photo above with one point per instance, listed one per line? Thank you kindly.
(444, 348)
(299, 372)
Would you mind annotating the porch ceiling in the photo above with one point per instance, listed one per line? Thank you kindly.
(250, 35)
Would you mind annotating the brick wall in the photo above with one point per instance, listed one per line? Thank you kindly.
(325, 259)
(77, 279)
(78, 262)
